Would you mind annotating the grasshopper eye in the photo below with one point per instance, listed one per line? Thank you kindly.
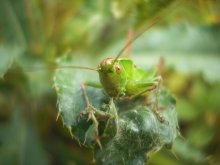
(118, 69)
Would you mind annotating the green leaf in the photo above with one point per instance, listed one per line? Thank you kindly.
(189, 152)
(140, 132)
(6, 55)
(20, 143)
(71, 101)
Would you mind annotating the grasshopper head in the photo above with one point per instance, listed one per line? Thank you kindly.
(108, 65)
(112, 77)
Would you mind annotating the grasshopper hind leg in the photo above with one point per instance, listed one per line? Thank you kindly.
(151, 88)
(156, 102)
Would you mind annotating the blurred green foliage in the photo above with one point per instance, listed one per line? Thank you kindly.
(34, 33)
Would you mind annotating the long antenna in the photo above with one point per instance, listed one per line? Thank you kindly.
(36, 69)
(135, 38)
(155, 21)
(77, 67)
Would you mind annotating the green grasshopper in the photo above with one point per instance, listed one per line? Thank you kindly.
(121, 80)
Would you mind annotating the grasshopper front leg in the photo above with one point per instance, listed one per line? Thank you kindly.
(93, 114)
(156, 86)
(90, 110)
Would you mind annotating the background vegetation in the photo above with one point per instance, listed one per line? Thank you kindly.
(33, 34)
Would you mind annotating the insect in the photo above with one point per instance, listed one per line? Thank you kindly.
(122, 80)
